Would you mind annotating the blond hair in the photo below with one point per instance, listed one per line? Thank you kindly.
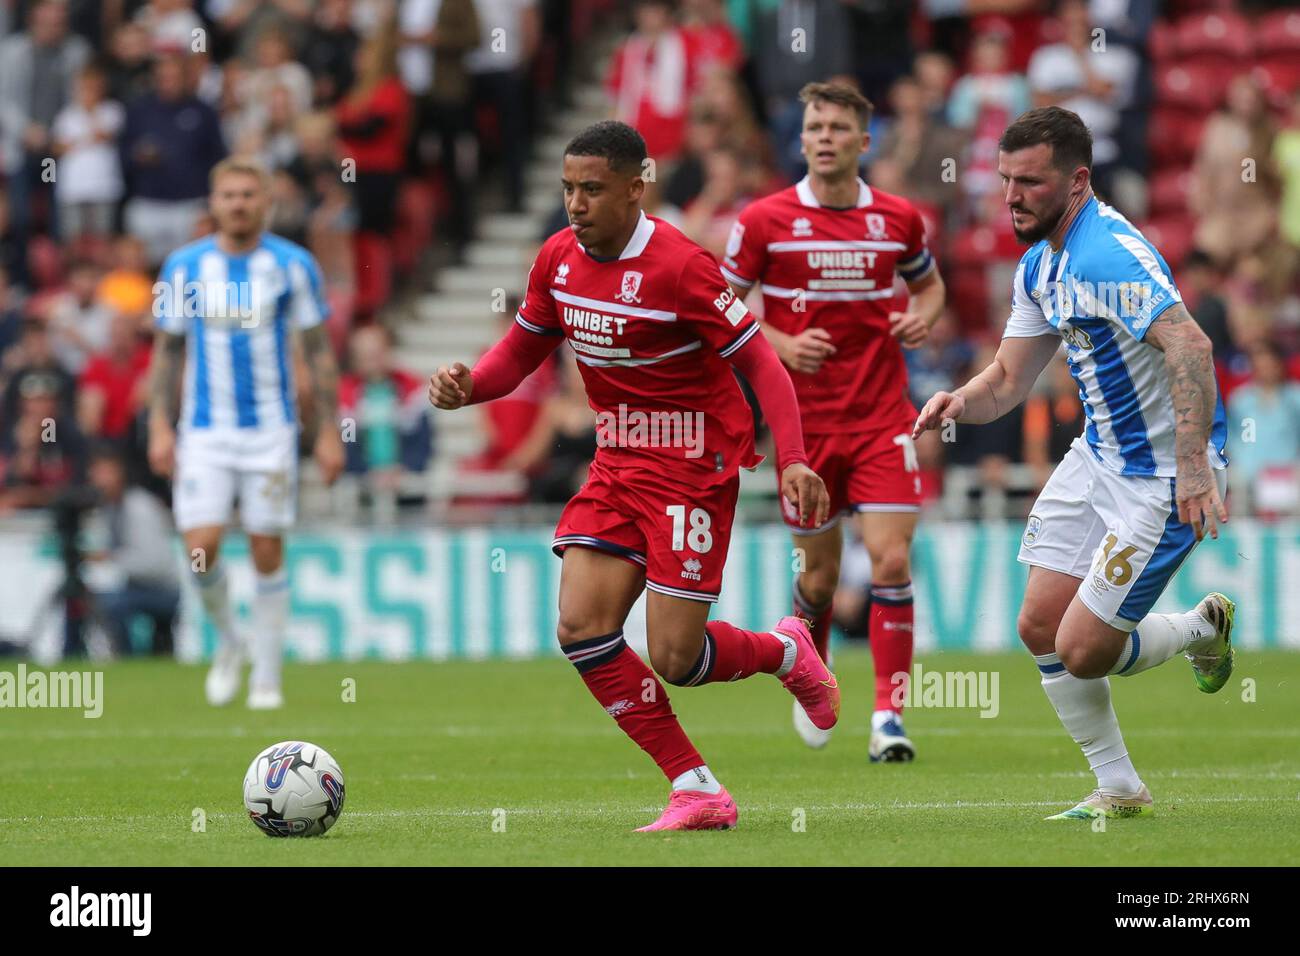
(243, 165)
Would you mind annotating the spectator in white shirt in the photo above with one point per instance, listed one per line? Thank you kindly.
(88, 184)
(1089, 77)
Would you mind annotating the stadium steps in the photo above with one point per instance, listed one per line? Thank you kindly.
(458, 321)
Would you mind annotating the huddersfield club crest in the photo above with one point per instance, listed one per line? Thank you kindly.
(631, 286)
(875, 226)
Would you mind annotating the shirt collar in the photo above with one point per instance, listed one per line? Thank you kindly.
(803, 188)
(645, 228)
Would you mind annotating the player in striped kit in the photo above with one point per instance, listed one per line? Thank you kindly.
(227, 308)
(1144, 482)
(826, 252)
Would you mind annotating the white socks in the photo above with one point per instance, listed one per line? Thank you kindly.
(214, 592)
(698, 779)
(270, 611)
(790, 655)
(881, 717)
(1158, 637)
(1085, 710)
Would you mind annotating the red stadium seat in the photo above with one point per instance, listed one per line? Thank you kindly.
(1280, 78)
(1168, 193)
(1192, 85)
(1172, 236)
(1162, 43)
(44, 262)
(374, 268)
(1218, 34)
(1173, 136)
(1278, 33)
(416, 211)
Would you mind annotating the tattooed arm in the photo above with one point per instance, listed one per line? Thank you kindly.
(1189, 363)
(325, 390)
(167, 362)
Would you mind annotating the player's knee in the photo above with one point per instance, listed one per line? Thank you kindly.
(267, 553)
(1083, 660)
(571, 628)
(1037, 633)
(817, 584)
(891, 565)
(673, 664)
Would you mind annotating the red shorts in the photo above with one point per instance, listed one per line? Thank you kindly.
(676, 524)
(870, 470)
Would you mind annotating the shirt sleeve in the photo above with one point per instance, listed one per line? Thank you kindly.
(1027, 319)
(1140, 279)
(537, 310)
(707, 304)
(916, 262)
(169, 297)
(745, 259)
(307, 306)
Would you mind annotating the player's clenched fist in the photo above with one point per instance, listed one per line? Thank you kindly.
(942, 406)
(450, 387)
(806, 351)
(805, 490)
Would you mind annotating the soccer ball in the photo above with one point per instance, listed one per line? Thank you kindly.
(293, 789)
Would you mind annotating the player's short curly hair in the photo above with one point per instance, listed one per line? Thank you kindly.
(619, 144)
(1060, 129)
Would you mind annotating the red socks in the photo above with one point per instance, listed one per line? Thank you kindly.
(730, 653)
(891, 640)
(633, 696)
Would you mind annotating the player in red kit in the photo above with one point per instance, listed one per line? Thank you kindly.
(653, 326)
(826, 252)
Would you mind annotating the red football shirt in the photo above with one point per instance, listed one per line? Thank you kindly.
(834, 269)
(118, 383)
(651, 331)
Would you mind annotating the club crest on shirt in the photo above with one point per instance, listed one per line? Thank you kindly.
(631, 286)
(875, 226)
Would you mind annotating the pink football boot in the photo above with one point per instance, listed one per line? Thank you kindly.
(809, 680)
(696, 810)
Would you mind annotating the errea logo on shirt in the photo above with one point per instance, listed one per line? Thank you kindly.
(562, 274)
(801, 228)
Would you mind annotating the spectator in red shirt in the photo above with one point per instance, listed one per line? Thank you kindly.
(650, 79)
(713, 43)
(373, 126)
(112, 388)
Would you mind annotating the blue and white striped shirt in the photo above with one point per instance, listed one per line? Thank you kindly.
(1100, 293)
(237, 313)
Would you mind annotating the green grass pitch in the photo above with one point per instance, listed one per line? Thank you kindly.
(432, 752)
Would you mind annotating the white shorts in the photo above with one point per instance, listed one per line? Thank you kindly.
(216, 466)
(1119, 533)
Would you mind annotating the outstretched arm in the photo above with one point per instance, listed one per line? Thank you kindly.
(996, 390)
(1189, 363)
(497, 374)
